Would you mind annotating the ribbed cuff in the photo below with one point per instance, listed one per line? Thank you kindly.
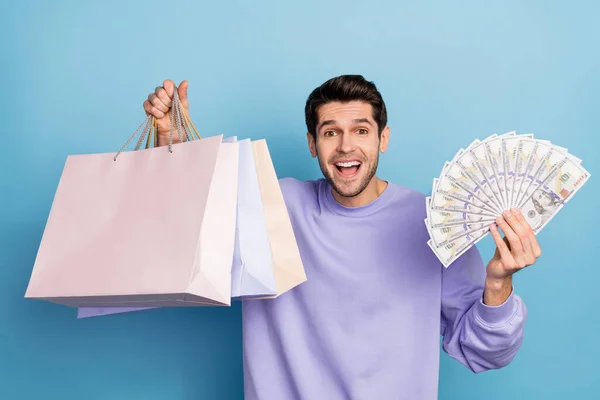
(497, 315)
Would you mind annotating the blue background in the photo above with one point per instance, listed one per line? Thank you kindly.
(73, 80)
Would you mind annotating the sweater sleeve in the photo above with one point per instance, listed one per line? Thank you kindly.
(479, 336)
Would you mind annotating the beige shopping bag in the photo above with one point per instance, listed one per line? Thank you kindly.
(153, 227)
(287, 264)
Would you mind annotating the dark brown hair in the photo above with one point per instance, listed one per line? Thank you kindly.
(345, 88)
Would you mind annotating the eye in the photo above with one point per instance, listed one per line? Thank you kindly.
(362, 131)
(329, 133)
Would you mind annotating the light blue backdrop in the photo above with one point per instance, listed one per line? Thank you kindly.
(74, 76)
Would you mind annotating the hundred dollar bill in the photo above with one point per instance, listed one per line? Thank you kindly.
(545, 159)
(448, 187)
(468, 165)
(457, 190)
(439, 201)
(525, 150)
(510, 146)
(474, 143)
(563, 150)
(457, 175)
(527, 156)
(439, 219)
(500, 172)
(538, 151)
(494, 154)
(452, 250)
(551, 194)
(482, 162)
(458, 154)
(442, 235)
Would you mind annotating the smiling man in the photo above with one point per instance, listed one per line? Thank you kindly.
(367, 323)
(348, 161)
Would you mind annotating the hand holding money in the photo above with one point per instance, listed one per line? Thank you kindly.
(517, 250)
(531, 177)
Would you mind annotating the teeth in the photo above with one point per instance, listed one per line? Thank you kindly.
(348, 164)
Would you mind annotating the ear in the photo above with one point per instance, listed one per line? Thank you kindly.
(385, 139)
(312, 145)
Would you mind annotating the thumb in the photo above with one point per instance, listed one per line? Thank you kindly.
(182, 91)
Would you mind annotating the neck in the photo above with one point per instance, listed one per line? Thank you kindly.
(371, 192)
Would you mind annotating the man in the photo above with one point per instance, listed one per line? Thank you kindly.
(366, 324)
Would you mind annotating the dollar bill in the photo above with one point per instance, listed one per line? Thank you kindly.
(550, 195)
(545, 159)
(498, 173)
(448, 253)
(523, 159)
(469, 167)
(440, 218)
(448, 188)
(510, 153)
(440, 201)
(445, 234)
(482, 162)
(493, 150)
(456, 174)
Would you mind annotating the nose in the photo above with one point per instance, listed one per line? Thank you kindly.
(345, 145)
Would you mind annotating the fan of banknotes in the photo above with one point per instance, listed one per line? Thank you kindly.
(492, 175)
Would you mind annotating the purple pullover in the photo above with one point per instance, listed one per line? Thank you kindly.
(366, 323)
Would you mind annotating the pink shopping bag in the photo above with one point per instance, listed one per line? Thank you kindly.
(284, 258)
(154, 228)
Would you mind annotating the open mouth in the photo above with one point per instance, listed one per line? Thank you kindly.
(347, 169)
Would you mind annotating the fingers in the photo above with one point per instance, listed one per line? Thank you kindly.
(151, 110)
(182, 91)
(521, 228)
(537, 250)
(169, 86)
(528, 232)
(524, 246)
(157, 102)
(162, 95)
(516, 246)
(161, 98)
(501, 246)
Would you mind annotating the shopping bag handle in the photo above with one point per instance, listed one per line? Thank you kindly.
(180, 120)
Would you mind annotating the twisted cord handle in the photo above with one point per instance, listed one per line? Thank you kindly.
(180, 121)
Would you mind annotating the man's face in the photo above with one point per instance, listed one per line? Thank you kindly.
(347, 145)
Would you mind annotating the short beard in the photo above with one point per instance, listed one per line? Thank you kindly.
(361, 187)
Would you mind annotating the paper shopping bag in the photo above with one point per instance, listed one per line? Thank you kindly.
(252, 272)
(152, 228)
(287, 263)
(285, 258)
(86, 312)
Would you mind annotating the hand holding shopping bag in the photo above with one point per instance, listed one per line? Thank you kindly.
(146, 228)
(262, 214)
(159, 104)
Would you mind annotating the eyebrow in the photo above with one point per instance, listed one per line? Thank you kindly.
(333, 122)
